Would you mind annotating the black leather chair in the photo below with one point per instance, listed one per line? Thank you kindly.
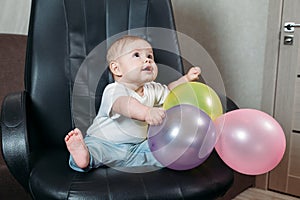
(34, 122)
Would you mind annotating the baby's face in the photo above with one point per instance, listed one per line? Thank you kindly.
(137, 63)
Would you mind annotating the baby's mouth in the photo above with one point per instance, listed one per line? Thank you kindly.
(147, 69)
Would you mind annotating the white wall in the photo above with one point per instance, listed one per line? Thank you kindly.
(14, 16)
(233, 32)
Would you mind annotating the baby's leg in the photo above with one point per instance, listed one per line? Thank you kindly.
(141, 155)
(77, 148)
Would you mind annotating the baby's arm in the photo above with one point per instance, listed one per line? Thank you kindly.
(132, 108)
(192, 75)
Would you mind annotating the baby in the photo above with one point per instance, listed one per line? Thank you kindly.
(118, 134)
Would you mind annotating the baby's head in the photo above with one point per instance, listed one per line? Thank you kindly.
(123, 46)
(131, 59)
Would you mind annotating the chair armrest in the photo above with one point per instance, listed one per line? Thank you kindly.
(230, 105)
(15, 146)
(227, 103)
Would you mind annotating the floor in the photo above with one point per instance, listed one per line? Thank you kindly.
(258, 194)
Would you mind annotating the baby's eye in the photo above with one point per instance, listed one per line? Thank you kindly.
(150, 56)
(136, 54)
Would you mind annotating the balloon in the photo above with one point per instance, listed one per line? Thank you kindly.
(250, 142)
(196, 94)
(184, 140)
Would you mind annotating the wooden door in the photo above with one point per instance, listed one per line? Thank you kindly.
(286, 176)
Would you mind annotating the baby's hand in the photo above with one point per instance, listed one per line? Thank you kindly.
(193, 74)
(155, 116)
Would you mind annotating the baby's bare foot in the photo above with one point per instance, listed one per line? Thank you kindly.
(77, 148)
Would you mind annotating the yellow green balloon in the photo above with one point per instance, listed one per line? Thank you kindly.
(196, 94)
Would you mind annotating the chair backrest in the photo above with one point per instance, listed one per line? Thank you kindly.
(62, 33)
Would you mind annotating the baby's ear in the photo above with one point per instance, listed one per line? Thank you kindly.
(114, 68)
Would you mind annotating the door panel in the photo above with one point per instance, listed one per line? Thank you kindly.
(296, 118)
(286, 176)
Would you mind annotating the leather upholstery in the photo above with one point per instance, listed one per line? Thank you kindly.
(34, 122)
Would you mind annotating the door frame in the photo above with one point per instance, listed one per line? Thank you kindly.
(270, 69)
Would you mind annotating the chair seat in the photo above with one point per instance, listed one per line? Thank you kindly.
(52, 178)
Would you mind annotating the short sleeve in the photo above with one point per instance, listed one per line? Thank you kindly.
(110, 94)
(157, 91)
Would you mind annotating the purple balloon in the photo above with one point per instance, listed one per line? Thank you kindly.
(184, 140)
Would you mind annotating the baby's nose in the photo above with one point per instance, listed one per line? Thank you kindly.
(147, 60)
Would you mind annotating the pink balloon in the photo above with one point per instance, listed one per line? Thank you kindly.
(250, 141)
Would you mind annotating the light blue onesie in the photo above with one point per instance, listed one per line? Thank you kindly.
(118, 141)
